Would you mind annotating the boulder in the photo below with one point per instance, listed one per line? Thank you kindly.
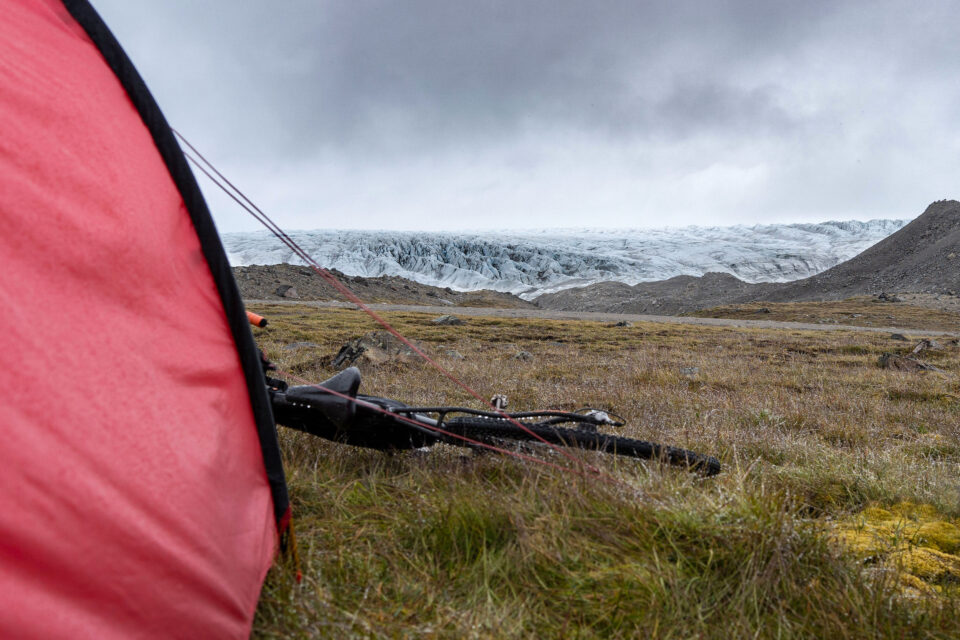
(374, 348)
(927, 345)
(447, 320)
(287, 291)
(904, 363)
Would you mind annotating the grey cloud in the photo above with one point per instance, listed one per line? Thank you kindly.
(485, 104)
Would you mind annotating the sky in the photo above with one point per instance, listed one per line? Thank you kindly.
(504, 114)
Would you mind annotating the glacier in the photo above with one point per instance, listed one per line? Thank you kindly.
(529, 263)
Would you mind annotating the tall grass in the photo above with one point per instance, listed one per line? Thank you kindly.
(448, 543)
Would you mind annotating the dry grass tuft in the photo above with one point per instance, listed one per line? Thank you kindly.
(861, 311)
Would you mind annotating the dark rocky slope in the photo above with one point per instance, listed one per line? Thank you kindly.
(677, 295)
(292, 282)
(923, 257)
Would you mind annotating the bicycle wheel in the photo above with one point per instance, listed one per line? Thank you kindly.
(491, 429)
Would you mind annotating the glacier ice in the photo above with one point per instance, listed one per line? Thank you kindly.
(529, 263)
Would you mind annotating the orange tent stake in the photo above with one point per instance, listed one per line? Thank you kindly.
(255, 320)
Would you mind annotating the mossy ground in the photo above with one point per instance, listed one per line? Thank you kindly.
(917, 541)
(817, 443)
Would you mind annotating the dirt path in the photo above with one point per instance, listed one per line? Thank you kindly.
(608, 317)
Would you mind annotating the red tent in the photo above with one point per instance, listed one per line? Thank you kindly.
(142, 486)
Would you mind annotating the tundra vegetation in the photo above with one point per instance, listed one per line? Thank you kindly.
(836, 514)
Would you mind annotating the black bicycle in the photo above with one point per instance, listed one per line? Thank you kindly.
(334, 410)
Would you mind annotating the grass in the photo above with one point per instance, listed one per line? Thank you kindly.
(791, 540)
(862, 311)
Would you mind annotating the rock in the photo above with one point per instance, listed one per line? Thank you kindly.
(927, 345)
(887, 297)
(447, 320)
(689, 372)
(375, 348)
(294, 346)
(287, 291)
(622, 323)
(456, 355)
(898, 336)
(762, 310)
(904, 363)
(523, 355)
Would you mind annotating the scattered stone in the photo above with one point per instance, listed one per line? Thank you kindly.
(523, 355)
(927, 345)
(456, 355)
(287, 291)
(447, 320)
(294, 346)
(904, 363)
(888, 297)
(689, 372)
(622, 323)
(374, 348)
(898, 336)
(762, 310)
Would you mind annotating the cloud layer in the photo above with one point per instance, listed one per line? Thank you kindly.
(436, 114)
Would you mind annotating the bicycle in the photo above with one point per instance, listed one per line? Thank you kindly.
(334, 410)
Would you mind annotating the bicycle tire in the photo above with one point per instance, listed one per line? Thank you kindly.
(487, 429)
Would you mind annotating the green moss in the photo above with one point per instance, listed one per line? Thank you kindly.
(913, 538)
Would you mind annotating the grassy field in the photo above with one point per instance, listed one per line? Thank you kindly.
(863, 311)
(836, 514)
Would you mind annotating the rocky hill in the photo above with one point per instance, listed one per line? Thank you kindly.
(292, 282)
(922, 257)
(665, 297)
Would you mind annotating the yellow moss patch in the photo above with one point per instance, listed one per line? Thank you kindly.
(914, 539)
(942, 536)
(930, 565)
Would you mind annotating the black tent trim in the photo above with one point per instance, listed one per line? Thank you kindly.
(87, 17)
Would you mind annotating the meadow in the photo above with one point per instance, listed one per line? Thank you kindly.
(837, 513)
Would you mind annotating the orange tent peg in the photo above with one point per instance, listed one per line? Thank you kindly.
(255, 320)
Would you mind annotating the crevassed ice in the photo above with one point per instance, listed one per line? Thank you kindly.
(529, 263)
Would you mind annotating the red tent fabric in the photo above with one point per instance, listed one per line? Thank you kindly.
(141, 489)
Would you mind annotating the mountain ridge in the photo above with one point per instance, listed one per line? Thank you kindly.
(921, 257)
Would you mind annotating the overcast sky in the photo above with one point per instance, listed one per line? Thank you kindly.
(443, 114)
